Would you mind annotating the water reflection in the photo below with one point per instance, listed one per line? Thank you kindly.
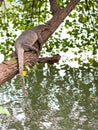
(61, 99)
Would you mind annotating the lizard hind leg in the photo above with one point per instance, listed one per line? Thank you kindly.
(30, 48)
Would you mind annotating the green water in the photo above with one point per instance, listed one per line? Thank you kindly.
(61, 99)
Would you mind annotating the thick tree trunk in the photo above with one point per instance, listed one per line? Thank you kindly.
(9, 69)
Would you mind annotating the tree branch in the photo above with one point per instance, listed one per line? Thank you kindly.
(8, 69)
(54, 6)
(58, 18)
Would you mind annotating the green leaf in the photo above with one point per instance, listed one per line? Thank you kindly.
(4, 111)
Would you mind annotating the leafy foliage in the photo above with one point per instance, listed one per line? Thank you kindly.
(4, 111)
(79, 30)
(83, 25)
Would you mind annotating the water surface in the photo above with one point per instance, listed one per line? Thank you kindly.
(60, 99)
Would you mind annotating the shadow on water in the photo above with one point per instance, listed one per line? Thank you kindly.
(61, 99)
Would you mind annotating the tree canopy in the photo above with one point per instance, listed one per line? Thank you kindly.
(80, 25)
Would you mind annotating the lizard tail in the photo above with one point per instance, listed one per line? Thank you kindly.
(20, 54)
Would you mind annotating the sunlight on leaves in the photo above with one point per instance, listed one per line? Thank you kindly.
(24, 72)
(4, 111)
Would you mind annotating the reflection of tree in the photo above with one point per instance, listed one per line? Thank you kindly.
(61, 93)
(59, 101)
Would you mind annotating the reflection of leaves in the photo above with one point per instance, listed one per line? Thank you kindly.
(4, 111)
(57, 91)
(91, 97)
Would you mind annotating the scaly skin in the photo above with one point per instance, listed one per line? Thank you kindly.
(25, 42)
